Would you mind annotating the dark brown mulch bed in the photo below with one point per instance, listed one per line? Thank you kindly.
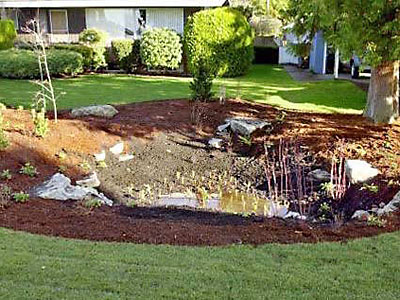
(80, 138)
(174, 227)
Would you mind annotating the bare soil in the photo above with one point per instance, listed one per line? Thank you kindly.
(164, 142)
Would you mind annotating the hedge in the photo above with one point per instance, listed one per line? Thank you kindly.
(161, 48)
(126, 53)
(7, 34)
(23, 64)
(86, 52)
(220, 38)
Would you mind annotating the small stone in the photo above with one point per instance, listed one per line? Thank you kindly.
(382, 204)
(246, 127)
(277, 210)
(117, 149)
(91, 181)
(320, 175)
(125, 157)
(360, 171)
(224, 127)
(361, 215)
(215, 143)
(100, 156)
(103, 111)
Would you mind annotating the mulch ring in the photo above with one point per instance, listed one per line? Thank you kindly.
(174, 226)
(81, 138)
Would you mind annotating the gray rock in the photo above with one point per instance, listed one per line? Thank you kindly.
(215, 143)
(224, 127)
(294, 215)
(320, 175)
(59, 187)
(103, 111)
(391, 207)
(360, 215)
(246, 126)
(359, 171)
(91, 181)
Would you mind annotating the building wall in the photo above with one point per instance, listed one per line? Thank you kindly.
(318, 54)
(172, 18)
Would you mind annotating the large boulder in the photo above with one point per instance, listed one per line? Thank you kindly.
(102, 111)
(59, 187)
(246, 127)
(359, 171)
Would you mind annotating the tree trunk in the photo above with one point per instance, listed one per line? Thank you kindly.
(383, 93)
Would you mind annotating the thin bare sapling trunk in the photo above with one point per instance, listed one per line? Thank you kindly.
(383, 93)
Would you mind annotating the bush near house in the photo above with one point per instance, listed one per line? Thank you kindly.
(86, 52)
(126, 53)
(222, 38)
(161, 48)
(96, 39)
(21, 63)
(7, 34)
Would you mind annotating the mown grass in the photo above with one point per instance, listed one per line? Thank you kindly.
(264, 84)
(36, 267)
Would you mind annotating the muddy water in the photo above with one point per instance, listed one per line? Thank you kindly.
(240, 203)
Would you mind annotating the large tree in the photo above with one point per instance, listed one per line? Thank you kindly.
(369, 29)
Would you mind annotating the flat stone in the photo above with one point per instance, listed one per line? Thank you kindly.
(59, 187)
(215, 143)
(361, 215)
(320, 175)
(125, 157)
(91, 181)
(360, 171)
(103, 111)
(117, 149)
(246, 127)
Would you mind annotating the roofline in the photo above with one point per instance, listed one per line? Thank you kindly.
(110, 4)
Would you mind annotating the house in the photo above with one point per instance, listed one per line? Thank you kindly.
(63, 20)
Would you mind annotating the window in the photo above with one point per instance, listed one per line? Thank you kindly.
(13, 15)
(58, 21)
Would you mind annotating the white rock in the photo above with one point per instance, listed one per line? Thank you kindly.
(320, 175)
(215, 143)
(91, 181)
(359, 171)
(125, 157)
(117, 149)
(59, 187)
(361, 215)
(277, 210)
(246, 126)
(100, 156)
(103, 111)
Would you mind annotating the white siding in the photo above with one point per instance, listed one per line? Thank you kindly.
(165, 17)
(112, 20)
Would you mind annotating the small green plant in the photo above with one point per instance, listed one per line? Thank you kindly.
(93, 203)
(202, 83)
(20, 197)
(85, 166)
(41, 123)
(61, 155)
(102, 164)
(376, 221)
(246, 140)
(370, 187)
(327, 188)
(5, 175)
(28, 170)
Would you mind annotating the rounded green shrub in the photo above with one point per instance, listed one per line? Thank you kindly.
(21, 63)
(161, 48)
(7, 34)
(96, 39)
(126, 53)
(86, 52)
(220, 38)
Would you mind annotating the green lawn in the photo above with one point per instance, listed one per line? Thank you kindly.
(264, 84)
(36, 267)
